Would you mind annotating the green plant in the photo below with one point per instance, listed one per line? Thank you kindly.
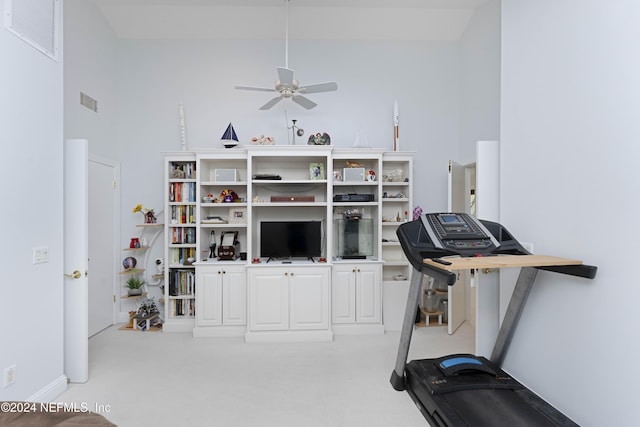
(134, 283)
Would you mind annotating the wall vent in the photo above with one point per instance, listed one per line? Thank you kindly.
(35, 22)
(88, 102)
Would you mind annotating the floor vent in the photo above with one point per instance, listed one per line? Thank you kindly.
(88, 102)
(35, 22)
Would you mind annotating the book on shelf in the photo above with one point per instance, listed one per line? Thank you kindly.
(180, 255)
(182, 192)
(182, 282)
(182, 235)
(214, 220)
(183, 308)
(183, 214)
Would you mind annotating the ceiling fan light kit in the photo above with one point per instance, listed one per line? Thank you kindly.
(286, 85)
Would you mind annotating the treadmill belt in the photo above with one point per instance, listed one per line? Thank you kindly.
(489, 400)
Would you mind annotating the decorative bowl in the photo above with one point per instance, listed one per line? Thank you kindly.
(129, 263)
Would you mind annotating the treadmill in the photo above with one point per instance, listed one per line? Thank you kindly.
(463, 389)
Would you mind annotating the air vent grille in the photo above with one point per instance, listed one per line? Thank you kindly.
(35, 22)
(88, 102)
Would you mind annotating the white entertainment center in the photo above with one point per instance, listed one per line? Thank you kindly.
(356, 198)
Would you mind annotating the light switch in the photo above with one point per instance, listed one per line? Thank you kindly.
(40, 255)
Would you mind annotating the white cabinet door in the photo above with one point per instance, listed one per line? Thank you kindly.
(309, 298)
(268, 299)
(234, 296)
(343, 294)
(209, 297)
(368, 294)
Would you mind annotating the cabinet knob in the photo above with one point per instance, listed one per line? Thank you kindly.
(286, 274)
(292, 274)
(354, 270)
(224, 272)
(219, 272)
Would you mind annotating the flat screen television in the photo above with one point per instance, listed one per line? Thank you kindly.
(290, 239)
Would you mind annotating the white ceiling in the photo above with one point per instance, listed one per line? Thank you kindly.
(308, 19)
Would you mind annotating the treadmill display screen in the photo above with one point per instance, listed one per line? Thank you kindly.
(451, 219)
(460, 233)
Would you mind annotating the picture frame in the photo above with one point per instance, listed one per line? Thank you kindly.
(316, 171)
(237, 215)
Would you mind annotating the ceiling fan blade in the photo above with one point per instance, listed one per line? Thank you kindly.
(320, 87)
(285, 76)
(259, 89)
(271, 103)
(305, 102)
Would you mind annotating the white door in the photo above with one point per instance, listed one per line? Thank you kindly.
(457, 190)
(309, 298)
(102, 244)
(234, 294)
(76, 251)
(368, 294)
(457, 203)
(209, 300)
(268, 299)
(343, 294)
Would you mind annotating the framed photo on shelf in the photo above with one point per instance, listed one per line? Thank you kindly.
(237, 215)
(316, 171)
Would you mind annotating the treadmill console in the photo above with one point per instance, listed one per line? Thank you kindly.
(459, 232)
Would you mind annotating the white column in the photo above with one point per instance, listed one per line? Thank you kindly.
(487, 208)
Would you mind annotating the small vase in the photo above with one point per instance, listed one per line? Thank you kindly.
(134, 292)
(135, 243)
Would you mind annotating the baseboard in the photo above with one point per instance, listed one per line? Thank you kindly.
(289, 336)
(178, 326)
(50, 392)
(358, 329)
(219, 331)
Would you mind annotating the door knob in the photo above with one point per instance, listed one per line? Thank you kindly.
(75, 275)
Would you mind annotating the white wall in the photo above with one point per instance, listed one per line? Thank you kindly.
(479, 81)
(154, 76)
(31, 296)
(570, 108)
(90, 67)
(437, 97)
(143, 82)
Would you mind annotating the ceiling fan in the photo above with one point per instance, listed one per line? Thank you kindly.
(286, 85)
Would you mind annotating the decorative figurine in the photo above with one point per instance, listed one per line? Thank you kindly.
(229, 138)
(263, 140)
(178, 172)
(319, 139)
(149, 214)
(228, 196)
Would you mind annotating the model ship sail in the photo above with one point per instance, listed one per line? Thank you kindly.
(229, 138)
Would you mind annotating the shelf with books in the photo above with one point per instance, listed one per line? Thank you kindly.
(181, 216)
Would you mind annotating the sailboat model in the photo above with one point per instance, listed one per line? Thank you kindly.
(229, 138)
